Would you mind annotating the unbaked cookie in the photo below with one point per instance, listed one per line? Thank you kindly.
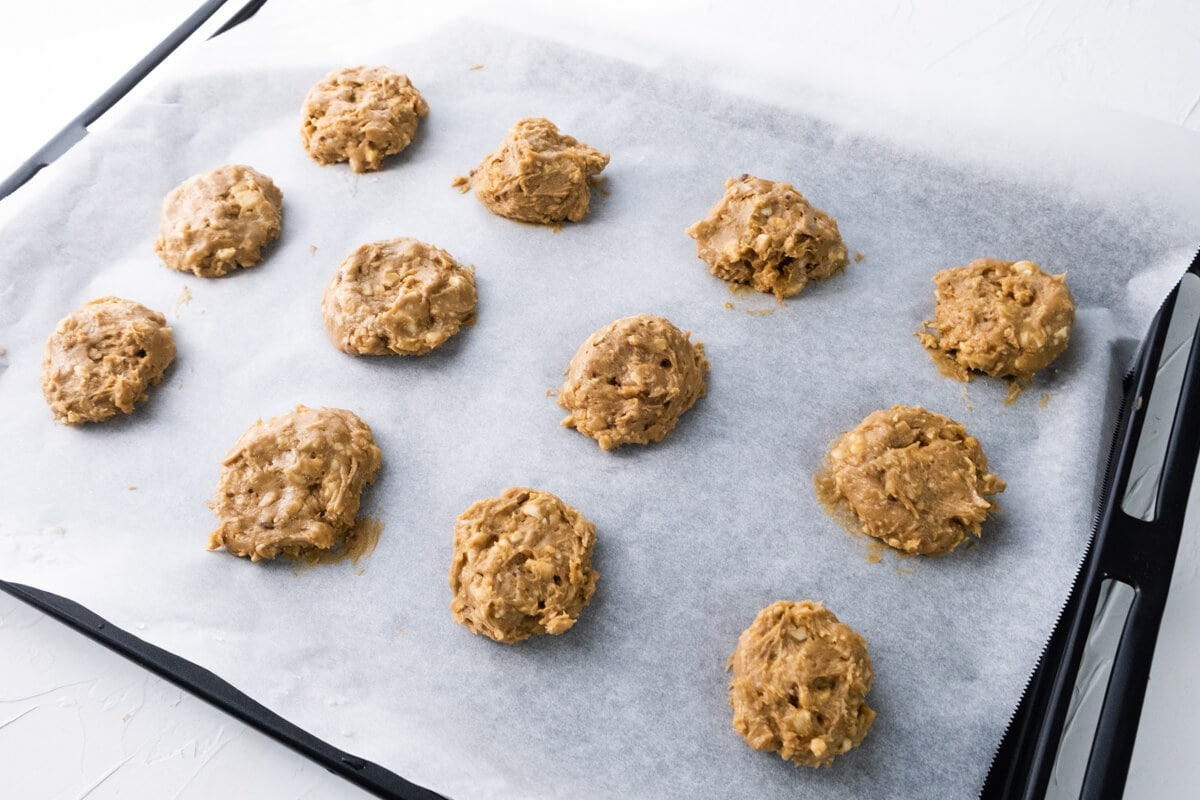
(397, 296)
(213, 223)
(522, 565)
(766, 235)
(360, 115)
(1007, 319)
(102, 357)
(910, 477)
(538, 175)
(800, 683)
(632, 380)
(292, 484)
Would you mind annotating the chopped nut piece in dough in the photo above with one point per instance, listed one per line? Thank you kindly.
(213, 223)
(397, 296)
(522, 565)
(102, 357)
(538, 175)
(292, 484)
(800, 682)
(632, 380)
(1003, 318)
(360, 115)
(766, 235)
(910, 477)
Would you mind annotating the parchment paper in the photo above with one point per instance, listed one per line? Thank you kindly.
(696, 534)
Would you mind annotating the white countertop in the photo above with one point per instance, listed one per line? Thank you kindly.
(78, 721)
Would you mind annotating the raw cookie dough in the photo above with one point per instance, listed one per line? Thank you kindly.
(102, 357)
(292, 484)
(538, 175)
(800, 682)
(213, 223)
(522, 565)
(632, 380)
(1007, 319)
(910, 477)
(398, 296)
(766, 235)
(360, 115)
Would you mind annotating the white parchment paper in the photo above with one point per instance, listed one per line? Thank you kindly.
(695, 534)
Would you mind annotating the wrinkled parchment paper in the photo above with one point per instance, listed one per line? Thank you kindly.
(695, 534)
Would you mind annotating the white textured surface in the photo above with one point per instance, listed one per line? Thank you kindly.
(1143, 58)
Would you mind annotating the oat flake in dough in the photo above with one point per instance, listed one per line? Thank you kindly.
(398, 296)
(360, 115)
(102, 357)
(1003, 318)
(522, 565)
(215, 222)
(293, 483)
(632, 380)
(538, 175)
(766, 235)
(913, 478)
(800, 682)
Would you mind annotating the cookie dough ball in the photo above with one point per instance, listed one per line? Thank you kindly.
(211, 224)
(800, 683)
(632, 380)
(538, 175)
(292, 484)
(912, 478)
(766, 235)
(398, 296)
(522, 565)
(361, 115)
(1007, 319)
(102, 358)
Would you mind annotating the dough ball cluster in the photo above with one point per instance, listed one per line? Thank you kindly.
(913, 478)
(522, 565)
(800, 683)
(538, 175)
(102, 357)
(398, 296)
(360, 115)
(292, 484)
(1003, 318)
(215, 222)
(766, 235)
(632, 380)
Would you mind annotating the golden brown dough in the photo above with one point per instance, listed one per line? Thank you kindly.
(800, 682)
(397, 296)
(632, 380)
(213, 223)
(102, 357)
(360, 115)
(292, 484)
(766, 235)
(912, 478)
(538, 175)
(1007, 319)
(522, 565)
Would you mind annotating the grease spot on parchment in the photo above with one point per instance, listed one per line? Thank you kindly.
(185, 297)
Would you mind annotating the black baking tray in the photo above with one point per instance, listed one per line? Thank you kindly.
(1138, 553)
(1132, 551)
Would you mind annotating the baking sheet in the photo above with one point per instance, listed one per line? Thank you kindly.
(695, 534)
